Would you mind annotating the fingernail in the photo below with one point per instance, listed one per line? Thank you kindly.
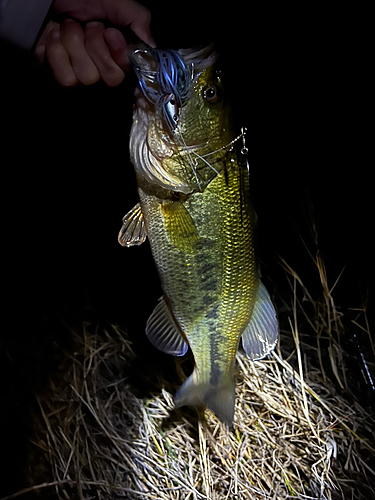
(148, 40)
(54, 34)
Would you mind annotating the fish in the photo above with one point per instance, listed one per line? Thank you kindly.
(194, 208)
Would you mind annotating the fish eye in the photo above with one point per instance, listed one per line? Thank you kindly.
(211, 95)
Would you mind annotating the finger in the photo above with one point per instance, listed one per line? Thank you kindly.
(73, 40)
(118, 47)
(58, 59)
(40, 48)
(99, 52)
(131, 13)
(141, 27)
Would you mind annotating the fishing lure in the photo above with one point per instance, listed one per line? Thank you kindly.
(168, 86)
(194, 209)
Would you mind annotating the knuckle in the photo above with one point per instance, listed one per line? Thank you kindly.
(74, 38)
(90, 78)
(55, 54)
(68, 81)
(114, 78)
(94, 48)
(65, 76)
(87, 74)
(53, 36)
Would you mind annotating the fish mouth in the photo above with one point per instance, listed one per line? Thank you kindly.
(172, 139)
(203, 148)
(194, 146)
(176, 142)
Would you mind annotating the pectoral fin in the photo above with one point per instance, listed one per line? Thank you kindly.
(260, 335)
(180, 226)
(163, 333)
(133, 231)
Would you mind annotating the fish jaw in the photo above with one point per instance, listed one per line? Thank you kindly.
(150, 148)
(166, 161)
(176, 159)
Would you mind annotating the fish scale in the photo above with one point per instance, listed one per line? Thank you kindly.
(232, 281)
(240, 280)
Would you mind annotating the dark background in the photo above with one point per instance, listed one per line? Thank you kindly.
(299, 83)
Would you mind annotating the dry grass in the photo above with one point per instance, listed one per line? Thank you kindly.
(294, 435)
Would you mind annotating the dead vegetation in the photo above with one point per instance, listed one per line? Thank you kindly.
(295, 433)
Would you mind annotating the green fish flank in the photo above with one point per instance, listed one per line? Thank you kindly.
(211, 280)
(202, 241)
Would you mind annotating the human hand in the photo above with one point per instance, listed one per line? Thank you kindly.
(80, 49)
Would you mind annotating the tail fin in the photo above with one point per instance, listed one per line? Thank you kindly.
(218, 398)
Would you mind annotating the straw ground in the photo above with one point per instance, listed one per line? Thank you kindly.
(296, 434)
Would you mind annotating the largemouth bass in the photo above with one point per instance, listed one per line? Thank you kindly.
(194, 207)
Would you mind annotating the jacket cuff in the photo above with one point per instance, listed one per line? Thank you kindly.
(21, 20)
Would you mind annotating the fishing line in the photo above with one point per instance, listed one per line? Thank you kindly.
(244, 149)
(205, 161)
(229, 146)
(190, 161)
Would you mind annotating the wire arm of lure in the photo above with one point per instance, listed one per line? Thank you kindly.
(244, 149)
(229, 146)
(205, 161)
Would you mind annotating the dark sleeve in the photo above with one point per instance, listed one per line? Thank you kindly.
(21, 20)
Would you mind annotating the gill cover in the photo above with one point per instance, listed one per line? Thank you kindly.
(165, 81)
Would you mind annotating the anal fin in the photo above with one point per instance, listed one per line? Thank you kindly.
(133, 231)
(162, 331)
(259, 338)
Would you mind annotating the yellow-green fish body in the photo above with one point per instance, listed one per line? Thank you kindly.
(195, 209)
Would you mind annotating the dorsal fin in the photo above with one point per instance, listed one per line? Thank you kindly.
(163, 333)
(133, 231)
(260, 335)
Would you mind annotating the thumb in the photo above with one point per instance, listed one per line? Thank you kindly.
(133, 15)
(143, 32)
